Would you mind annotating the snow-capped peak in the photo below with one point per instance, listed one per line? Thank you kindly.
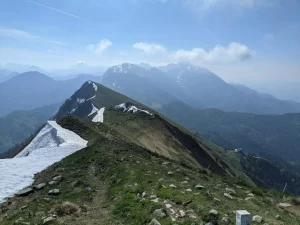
(122, 68)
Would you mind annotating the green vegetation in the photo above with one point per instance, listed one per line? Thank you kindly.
(104, 184)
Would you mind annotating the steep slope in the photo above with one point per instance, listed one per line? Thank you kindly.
(113, 181)
(34, 90)
(127, 79)
(19, 125)
(138, 124)
(270, 134)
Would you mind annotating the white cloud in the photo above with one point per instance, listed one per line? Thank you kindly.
(24, 35)
(100, 47)
(219, 54)
(149, 48)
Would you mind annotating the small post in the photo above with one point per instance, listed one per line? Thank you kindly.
(243, 217)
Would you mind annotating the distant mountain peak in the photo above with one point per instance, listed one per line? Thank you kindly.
(123, 68)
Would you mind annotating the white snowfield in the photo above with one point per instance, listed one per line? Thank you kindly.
(99, 115)
(51, 145)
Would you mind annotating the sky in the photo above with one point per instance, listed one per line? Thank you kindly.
(254, 42)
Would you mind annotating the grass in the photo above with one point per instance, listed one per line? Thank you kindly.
(103, 184)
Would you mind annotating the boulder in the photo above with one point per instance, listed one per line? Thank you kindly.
(154, 222)
(284, 205)
(160, 213)
(226, 219)
(257, 219)
(57, 178)
(54, 192)
(53, 182)
(198, 186)
(48, 220)
(213, 212)
(39, 186)
(25, 192)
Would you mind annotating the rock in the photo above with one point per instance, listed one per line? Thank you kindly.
(229, 190)
(277, 217)
(248, 198)
(228, 195)
(39, 186)
(143, 194)
(189, 190)
(152, 196)
(160, 213)
(184, 182)
(48, 220)
(217, 200)
(54, 192)
(198, 186)
(168, 206)
(213, 212)
(170, 173)
(57, 178)
(165, 163)
(76, 183)
(172, 186)
(208, 193)
(23, 207)
(53, 183)
(155, 200)
(154, 222)
(47, 199)
(257, 219)
(25, 192)
(226, 219)
(250, 195)
(89, 189)
(181, 213)
(284, 205)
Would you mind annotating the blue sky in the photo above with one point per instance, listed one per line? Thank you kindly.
(250, 41)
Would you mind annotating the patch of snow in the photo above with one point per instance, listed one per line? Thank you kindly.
(80, 100)
(95, 86)
(89, 82)
(94, 110)
(126, 107)
(51, 145)
(99, 115)
(73, 110)
(91, 98)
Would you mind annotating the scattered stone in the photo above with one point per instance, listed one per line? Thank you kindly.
(143, 194)
(229, 190)
(154, 222)
(213, 212)
(168, 206)
(250, 195)
(186, 178)
(257, 219)
(160, 213)
(172, 186)
(53, 182)
(89, 189)
(208, 193)
(226, 219)
(160, 179)
(199, 186)
(277, 217)
(152, 196)
(184, 182)
(165, 163)
(25, 192)
(248, 198)
(181, 213)
(170, 173)
(228, 195)
(54, 192)
(189, 190)
(39, 186)
(48, 220)
(172, 211)
(23, 207)
(217, 200)
(155, 200)
(284, 205)
(47, 199)
(57, 178)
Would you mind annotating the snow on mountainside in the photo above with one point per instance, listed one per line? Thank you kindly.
(52, 144)
(128, 107)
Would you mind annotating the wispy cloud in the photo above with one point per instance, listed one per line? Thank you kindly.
(149, 48)
(100, 47)
(24, 35)
(217, 55)
(58, 10)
